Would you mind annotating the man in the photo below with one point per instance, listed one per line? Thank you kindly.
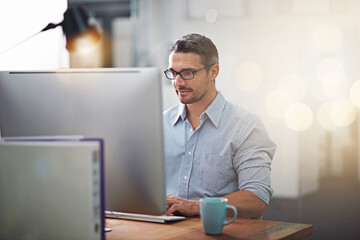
(213, 148)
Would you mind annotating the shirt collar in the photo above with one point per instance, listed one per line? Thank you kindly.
(214, 110)
(180, 114)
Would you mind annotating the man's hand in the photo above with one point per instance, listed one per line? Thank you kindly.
(183, 206)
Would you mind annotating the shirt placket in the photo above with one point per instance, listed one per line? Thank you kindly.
(190, 144)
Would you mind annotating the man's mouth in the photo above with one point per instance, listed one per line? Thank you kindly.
(183, 90)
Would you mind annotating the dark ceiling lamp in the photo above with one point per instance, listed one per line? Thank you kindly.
(77, 28)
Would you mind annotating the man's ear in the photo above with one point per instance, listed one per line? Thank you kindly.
(214, 71)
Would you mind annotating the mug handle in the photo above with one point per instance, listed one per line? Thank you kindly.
(234, 217)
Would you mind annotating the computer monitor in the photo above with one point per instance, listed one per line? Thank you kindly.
(121, 105)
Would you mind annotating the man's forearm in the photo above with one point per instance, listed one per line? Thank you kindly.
(247, 204)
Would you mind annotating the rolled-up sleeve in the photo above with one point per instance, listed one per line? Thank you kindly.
(252, 160)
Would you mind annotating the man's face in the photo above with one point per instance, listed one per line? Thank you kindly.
(190, 91)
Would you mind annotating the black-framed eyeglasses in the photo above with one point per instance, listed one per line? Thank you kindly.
(186, 74)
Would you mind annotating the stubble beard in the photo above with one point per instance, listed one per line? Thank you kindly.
(195, 97)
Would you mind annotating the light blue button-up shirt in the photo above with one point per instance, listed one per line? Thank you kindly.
(229, 151)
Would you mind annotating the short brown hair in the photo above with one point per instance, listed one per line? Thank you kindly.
(199, 44)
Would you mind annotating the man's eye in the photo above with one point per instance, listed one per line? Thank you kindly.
(187, 73)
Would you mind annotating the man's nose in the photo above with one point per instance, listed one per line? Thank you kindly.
(179, 81)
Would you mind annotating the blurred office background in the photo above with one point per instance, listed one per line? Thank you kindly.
(292, 62)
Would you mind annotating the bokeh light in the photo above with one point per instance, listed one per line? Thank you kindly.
(298, 117)
(249, 76)
(354, 93)
(89, 55)
(325, 93)
(330, 72)
(328, 38)
(277, 102)
(211, 15)
(343, 112)
(296, 86)
(330, 92)
(324, 117)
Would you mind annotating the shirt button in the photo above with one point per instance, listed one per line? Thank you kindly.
(185, 177)
(189, 153)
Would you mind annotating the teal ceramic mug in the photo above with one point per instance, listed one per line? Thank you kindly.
(213, 214)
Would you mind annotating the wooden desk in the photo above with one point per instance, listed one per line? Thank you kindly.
(191, 228)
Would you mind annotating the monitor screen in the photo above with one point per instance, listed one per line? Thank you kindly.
(121, 105)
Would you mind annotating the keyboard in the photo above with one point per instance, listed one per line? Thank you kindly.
(143, 217)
